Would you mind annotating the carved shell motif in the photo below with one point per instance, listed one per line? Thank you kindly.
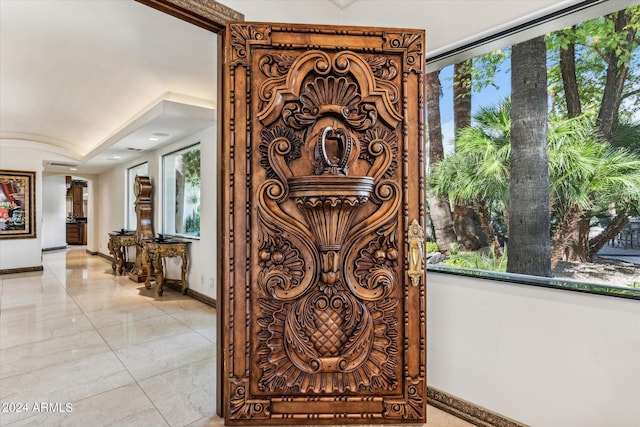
(324, 95)
(330, 96)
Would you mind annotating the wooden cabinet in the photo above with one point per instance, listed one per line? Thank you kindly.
(75, 198)
(76, 233)
(77, 222)
(77, 204)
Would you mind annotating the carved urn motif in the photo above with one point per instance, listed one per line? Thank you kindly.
(329, 198)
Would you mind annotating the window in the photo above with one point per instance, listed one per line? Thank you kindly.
(594, 183)
(142, 170)
(181, 198)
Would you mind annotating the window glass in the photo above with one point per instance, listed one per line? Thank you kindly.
(181, 192)
(141, 170)
(593, 162)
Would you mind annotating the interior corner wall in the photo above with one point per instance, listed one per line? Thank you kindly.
(111, 198)
(23, 253)
(110, 195)
(54, 213)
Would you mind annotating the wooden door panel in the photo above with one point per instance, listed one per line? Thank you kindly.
(323, 300)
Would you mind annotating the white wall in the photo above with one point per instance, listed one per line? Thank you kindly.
(54, 214)
(111, 199)
(308, 11)
(23, 253)
(31, 156)
(110, 195)
(202, 260)
(542, 356)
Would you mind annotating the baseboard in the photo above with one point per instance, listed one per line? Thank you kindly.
(22, 270)
(55, 248)
(177, 285)
(468, 411)
(101, 255)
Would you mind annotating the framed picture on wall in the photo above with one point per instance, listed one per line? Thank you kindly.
(17, 204)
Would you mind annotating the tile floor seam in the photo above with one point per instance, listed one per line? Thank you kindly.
(124, 366)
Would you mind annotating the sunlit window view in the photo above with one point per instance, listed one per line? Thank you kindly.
(181, 196)
(587, 166)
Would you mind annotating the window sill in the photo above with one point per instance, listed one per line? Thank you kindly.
(182, 236)
(546, 282)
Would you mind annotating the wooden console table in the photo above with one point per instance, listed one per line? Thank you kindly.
(118, 244)
(153, 253)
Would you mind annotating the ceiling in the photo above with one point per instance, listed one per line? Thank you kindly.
(99, 82)
(102, 81)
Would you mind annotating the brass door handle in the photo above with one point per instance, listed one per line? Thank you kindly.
(416, 252)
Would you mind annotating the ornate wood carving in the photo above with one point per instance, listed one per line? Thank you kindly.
(144, 224)
(152, 254)
(118, 244)
(324, 170)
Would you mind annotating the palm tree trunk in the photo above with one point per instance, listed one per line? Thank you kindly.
(439, 208)
(576, 248)
(561, 247)
(440, 214)
(485, 223)
(611, 230)
(529, 245)
(463, 216)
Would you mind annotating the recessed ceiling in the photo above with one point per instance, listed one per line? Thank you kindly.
(78, 75)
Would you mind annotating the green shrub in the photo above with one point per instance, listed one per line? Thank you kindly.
(432, 247)
(192, 223)
(478, 261)
(634, 285)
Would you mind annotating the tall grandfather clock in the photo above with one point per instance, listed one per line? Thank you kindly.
(144, 225)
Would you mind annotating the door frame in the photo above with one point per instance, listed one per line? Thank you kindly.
(211, 16)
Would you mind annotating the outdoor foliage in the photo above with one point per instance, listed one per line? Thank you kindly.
(192, 223)
(593, 80)
(600, 43)
(478, 261)
(191, 161)
(586, 174)
(432, 247)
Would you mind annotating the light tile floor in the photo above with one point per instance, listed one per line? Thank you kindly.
(101, 350)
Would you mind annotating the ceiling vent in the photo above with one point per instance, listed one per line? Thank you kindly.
(63, 164)
(134, 149)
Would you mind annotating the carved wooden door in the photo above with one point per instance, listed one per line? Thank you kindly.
(322, 304)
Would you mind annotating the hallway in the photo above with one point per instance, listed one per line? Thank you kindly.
(80, 347)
